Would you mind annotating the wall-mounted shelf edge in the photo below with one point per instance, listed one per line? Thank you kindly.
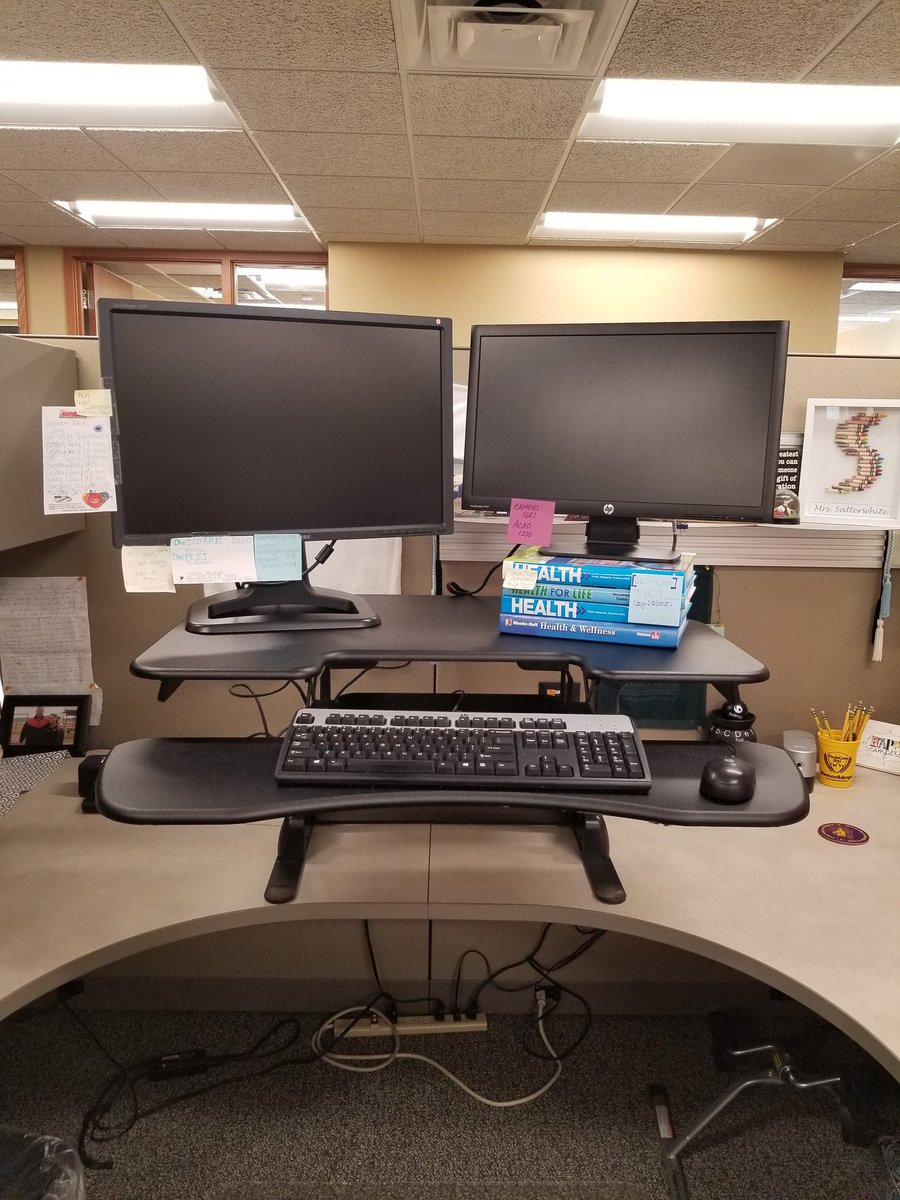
(718, 544)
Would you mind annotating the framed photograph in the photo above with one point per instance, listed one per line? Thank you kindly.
(850, 471)
(36, 724)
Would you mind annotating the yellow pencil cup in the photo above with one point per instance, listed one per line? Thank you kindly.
(837, 760)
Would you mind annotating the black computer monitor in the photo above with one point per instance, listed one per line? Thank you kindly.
(615, 422)
(232, 420)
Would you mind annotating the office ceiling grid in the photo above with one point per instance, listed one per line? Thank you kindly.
(369, 149)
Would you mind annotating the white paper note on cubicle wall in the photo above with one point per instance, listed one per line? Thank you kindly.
(147, 569)
(78, 462)
(45, 639)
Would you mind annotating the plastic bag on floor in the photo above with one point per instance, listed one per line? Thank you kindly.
(36, 1166)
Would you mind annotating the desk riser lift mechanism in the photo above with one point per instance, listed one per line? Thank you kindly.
(224, 781)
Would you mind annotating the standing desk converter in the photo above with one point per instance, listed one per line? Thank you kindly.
(227, 780)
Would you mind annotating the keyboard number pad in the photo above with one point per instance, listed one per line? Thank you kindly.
(607, 756)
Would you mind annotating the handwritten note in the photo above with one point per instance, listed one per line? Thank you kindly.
(530, 521)
(45, 640)
(278, 556)
(656, 599)
(147, 569)
(519, 579)
(213, 559)
(78, 462)
(93, 402)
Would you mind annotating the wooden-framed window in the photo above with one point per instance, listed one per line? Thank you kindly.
(236, 277)
(13, 310)
(869, 317)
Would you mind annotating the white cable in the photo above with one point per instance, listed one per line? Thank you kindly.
(378, 1062)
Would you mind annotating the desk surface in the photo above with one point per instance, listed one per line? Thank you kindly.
(437, 629)
(819, 921)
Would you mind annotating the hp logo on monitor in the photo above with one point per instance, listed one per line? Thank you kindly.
(608, 510)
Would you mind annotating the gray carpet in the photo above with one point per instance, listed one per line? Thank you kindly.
(311, 1132)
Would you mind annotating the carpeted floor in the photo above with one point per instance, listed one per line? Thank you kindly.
(311, 1132)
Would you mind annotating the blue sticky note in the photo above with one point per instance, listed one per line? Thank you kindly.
(278, 556)
(655, 599)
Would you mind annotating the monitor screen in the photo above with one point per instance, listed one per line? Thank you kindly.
(239, 420)
(233, 420)
(621, 421)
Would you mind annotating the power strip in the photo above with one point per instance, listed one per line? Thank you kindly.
(377, 1026)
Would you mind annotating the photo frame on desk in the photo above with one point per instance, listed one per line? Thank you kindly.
(850, 473)
(41, 723)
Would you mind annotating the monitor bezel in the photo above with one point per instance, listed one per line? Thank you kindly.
(109, 307)
(596, 506)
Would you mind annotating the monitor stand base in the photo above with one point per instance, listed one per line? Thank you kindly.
(616, 539)
(292, 607)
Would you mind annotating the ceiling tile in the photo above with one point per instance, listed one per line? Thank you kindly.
(853, 204)
(167, 239)
(340, 35)
(35, 212)
(125, 31)
(888, 257)
(53, 149)
(468, 106)
(54, 235)
(317, 101)
(12, 190)
(614, 197)
(343, 191)
(797, 165)
(85, 185)
(481, 195)
(487, 158)
(869, 54)
(743, 199)
(337, 154)
(814, 235)
(883, 173)
(362, 220)
(180, 150)
(743, 39)
(510, 225)
(216, 186)
(886, 237)
(639, 162)
(295, 243)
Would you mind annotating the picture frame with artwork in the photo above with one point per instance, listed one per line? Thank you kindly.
(850, 472)
(38, 724)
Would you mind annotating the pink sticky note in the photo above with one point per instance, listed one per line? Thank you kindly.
(530, 521)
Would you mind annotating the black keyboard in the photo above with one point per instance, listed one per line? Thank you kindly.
(521, 751)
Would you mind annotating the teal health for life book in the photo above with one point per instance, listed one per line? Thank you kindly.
(650, 609)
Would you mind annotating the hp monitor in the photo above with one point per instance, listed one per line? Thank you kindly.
(616, 422)
(231, 420)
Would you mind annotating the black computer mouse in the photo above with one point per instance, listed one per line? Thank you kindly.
(728, 780)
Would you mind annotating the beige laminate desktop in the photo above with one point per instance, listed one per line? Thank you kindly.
(819, 921)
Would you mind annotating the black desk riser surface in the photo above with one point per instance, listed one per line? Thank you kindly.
(216, 781)
(438, 629)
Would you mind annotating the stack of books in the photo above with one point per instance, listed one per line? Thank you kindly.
(635, 603)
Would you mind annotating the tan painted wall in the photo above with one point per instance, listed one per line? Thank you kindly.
(46, 289)
(495, 284)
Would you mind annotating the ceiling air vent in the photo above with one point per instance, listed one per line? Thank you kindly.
(495, 37)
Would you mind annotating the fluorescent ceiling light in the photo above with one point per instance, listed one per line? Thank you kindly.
(669, 227)
(864, 319)
(140, 214)
(876, 285)
(285, 277)
(678, 110)
(8, 306)
(208, 293)
(118, 95)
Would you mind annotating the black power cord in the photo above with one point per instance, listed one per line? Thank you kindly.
(455, 589)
